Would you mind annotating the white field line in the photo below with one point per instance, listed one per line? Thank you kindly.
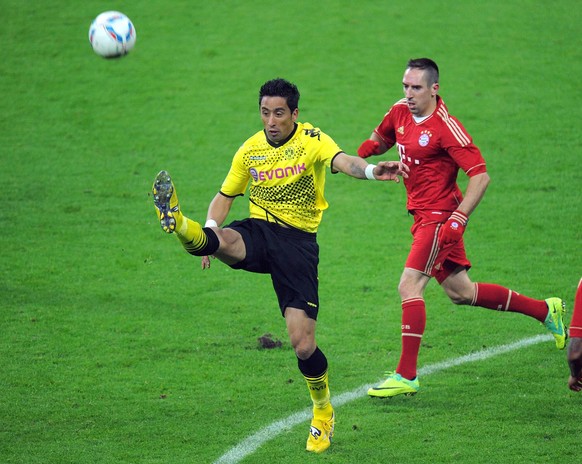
(250, 444)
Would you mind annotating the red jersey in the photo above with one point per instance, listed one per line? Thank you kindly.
(434, 150)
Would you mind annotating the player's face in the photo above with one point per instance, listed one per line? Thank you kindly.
(278, 119)
(420, 97)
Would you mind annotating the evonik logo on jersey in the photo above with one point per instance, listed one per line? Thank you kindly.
(279, 173)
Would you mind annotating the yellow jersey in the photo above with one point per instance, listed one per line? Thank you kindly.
(286, 180)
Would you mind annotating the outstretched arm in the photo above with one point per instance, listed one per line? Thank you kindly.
(356, 167)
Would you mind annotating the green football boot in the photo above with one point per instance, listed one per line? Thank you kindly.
(555, 321)
(395, 385)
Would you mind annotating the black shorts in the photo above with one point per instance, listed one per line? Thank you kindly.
(290, 255)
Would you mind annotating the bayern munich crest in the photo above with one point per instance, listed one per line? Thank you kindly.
(423, 140)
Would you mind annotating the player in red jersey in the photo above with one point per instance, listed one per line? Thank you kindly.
(575, 345)
(435, 145)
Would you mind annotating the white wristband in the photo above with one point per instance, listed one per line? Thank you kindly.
(211, 223)
(370, 171)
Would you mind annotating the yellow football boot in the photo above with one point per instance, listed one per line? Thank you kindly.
(320, 434)
(165, 201)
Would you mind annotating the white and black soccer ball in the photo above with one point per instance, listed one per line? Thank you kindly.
(112, 34)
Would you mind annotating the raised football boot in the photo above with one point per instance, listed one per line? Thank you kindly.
(320, 434)
(165, 201)
(555, 321)
(395, 385)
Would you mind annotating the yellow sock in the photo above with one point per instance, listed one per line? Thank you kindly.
(190, 234)
(319, 392)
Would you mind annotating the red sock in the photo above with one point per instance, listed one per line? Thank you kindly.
(496, 297)
(576, 323)
(413, 324)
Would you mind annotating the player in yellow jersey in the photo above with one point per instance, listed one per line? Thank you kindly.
(283, 166)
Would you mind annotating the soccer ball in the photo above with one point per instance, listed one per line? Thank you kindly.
(112, 34)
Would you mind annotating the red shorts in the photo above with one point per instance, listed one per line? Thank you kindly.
(425, 255)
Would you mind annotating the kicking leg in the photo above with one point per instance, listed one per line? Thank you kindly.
(225, 244)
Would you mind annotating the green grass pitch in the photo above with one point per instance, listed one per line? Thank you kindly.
(116, 348)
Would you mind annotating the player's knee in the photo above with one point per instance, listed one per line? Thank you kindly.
(458, 299)
(462, 296)
(303, 347)
(459, 293)
(401, 288)
(303, 353)
(231, 244)
(412, 284)
(406, 290)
